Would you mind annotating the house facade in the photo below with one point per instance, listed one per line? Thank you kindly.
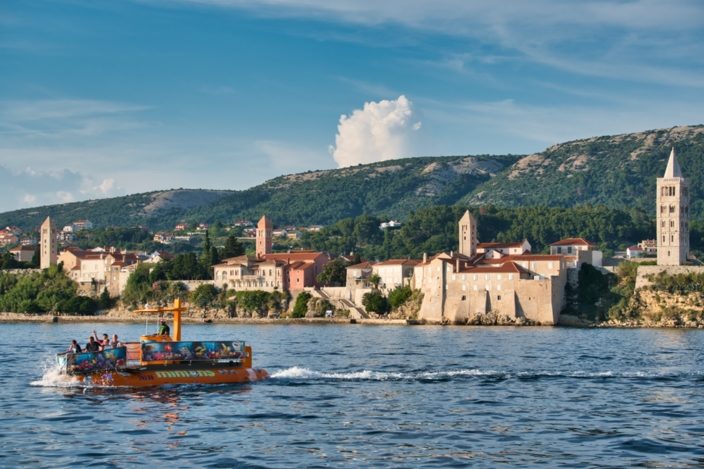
(270, 271)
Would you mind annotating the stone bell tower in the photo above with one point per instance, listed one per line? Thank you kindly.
(468, 235)
(47, 244)
(264, 234)
(672, 215)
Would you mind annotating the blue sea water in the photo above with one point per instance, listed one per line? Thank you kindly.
(372, 396)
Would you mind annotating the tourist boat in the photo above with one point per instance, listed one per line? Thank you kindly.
(158, 360)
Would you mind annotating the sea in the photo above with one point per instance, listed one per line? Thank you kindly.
(370, 396)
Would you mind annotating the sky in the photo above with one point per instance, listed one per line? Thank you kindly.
(106, 98)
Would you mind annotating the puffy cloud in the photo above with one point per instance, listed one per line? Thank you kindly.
(379, 131)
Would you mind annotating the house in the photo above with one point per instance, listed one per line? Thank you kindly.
(23, 253)
(514, 248)
(649, 246)
(163, 237)
(358, 274)
(634, 251)
(181, 227)
(391, 224)
(267, 270)
(577, 251)
(8, 238)
(394, 272)
(98, 268)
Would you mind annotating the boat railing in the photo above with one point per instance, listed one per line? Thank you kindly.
(191, 351)
(90, 362)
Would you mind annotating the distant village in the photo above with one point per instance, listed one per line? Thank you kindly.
(474, 280)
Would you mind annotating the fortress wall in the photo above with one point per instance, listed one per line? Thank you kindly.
(646, 270)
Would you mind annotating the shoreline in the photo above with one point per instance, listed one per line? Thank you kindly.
(8, 318)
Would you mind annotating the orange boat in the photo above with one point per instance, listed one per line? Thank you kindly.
(161, 359)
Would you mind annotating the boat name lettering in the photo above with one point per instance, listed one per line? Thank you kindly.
(184, 373)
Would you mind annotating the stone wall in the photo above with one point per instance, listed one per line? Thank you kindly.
(647, 270)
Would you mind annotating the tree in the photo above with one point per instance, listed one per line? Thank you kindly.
(206, 256)
(205, 295)
(301, 307)
(233, 248)
(374, 280)
(398, 296)
(334, 273)
(375, 302)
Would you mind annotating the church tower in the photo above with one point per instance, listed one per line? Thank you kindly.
(672, 215)
(47, 244)
(468, 235)
(264, 233)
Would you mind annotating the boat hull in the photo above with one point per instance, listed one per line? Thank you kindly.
(166, 376)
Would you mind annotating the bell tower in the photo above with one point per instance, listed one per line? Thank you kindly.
(47, 244)
(264, 233)
(672, 215)
(468, 235)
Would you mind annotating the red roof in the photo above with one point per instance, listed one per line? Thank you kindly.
(516, 244)
(304, 256)
(507, 267)
(523, 257)
(361, 265)
(572, 242)
(409, 262)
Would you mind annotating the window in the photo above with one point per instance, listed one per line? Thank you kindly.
(672, 224)
(498, 297)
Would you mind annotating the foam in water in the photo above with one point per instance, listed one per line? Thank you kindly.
(53, 377)
(300, 373)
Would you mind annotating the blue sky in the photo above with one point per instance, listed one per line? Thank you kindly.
(103, 98)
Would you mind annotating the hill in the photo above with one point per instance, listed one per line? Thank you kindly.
(393, 188)
(617, 171)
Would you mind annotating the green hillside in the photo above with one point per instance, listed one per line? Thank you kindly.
(392, 188)
(616, 171)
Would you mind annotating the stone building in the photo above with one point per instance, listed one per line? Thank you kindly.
(672, 215)
(501, 278)
(270, 271)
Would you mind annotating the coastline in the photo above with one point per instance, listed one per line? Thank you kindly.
(51, 318)
(566, 321)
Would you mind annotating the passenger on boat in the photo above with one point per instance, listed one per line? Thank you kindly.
(92, 345)
(114, 343)
(164, 329)
(74, 347)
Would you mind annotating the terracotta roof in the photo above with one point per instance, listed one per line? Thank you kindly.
(301, 265)
(507, 267)
(361, 265)
(305, 256)
(523, 257)
(635, 248)
(22, 248)
(572, 242)
(409, 262)
(515, 244)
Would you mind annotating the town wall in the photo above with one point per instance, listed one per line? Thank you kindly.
(646, 270)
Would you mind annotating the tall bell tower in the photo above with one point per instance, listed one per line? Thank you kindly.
(264, 234)
(468, 235)
(672, 215)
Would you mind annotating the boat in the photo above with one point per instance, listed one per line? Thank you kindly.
(164, 359)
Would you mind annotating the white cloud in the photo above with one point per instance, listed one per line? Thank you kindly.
(30, 187)
(379, 131)
(640, 37)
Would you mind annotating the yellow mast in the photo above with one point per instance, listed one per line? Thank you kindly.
(176, 310)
